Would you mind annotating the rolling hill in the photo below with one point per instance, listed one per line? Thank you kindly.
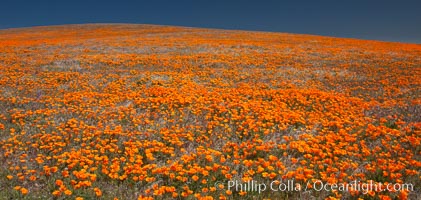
(161, 112)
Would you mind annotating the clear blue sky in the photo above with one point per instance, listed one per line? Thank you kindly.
(366, 19)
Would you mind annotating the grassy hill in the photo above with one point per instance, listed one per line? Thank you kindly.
(142, 111)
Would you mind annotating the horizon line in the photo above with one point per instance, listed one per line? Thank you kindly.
(211, 28)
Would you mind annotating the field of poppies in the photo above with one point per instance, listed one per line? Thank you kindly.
(118, 111)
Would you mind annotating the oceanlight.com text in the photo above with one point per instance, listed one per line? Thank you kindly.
(293, 186)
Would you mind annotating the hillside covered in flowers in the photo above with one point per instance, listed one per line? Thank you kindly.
(158, 112)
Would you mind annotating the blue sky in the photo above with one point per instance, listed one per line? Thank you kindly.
(369, 19)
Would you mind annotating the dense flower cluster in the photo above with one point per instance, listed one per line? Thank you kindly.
(140, 111)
